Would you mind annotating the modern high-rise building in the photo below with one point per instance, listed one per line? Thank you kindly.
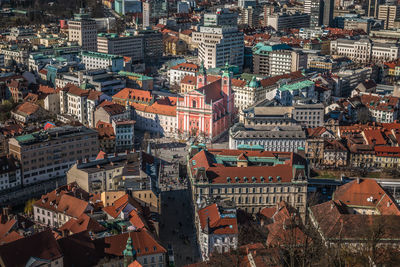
(327, 18)
(277, 59)
(389, 13)
(127, 45)
(315, 9)
(250, 16)
(320, 11)
(372, 8)
(146, 14)
(153, 10)
(83, 30)
(219, 40)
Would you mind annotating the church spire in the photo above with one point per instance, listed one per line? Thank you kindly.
(129, 252)
(201, 76)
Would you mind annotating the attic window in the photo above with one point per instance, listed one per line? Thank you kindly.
(278, 178)
(146, 248)
(270, 178)
(194, 162)
(237, 179)
(245, 179)
(262, 179)
(254, 179)
(154, 248)
(228, 179)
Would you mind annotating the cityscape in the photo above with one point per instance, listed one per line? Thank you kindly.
(199, 133)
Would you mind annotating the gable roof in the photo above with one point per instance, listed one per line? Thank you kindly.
(143, 242)
(217, 224)
(27, 108)
(41, 245)
(212, 91)
(82, 223)
(336, 224)
(366, 193)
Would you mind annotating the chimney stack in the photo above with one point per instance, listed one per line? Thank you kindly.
(358, 180)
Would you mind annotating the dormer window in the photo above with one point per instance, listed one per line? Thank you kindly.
(270, 178)
(262, 179)
(237, 179)
(245, 179)
(253, 179)
(228, 179)
(278, 178)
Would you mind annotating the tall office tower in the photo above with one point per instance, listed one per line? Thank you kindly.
(316, 10)
(83, 30)
(246, 3)
(389, 14)
(321, 12)
(219, 40)
(328, 7)
(373, 8)
(146, 14)
(250, 16)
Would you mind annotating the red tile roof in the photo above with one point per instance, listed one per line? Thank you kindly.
(186, 67)
(189, 79)
(134, 94)
(143, 243)
(212, 91)
(217, 224)
(135, 264)
(41, 245)
(385, 103)
(11, 237)
(62, 200)
(374, 137)
(238, 83)
(47, 89)
(114, 109)
(27, 108)
(366, 193)
(75, 90)
(6, 225)
(273, 80)
(387, 151)
(82, 223)
(335, 223)
(219, 174)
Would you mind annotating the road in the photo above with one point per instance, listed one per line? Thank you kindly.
(177, 227)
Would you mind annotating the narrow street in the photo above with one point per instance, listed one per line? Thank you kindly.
(177, 226)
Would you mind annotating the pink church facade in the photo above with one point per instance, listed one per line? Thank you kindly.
(207, 111)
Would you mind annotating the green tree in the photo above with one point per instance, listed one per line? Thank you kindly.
(29, 206)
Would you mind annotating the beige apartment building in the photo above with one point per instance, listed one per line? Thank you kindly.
(389, 14)
(48, 154)
(83, 30)
(251, 179)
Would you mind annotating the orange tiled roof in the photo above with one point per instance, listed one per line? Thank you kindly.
(134, 94)
(217, 224)
(142, 240)
(366, 193)
(186, 67)
(27, 108)
(189, 79)
(62, 200)
(82, 223)
(47, 89)
(374, 136)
